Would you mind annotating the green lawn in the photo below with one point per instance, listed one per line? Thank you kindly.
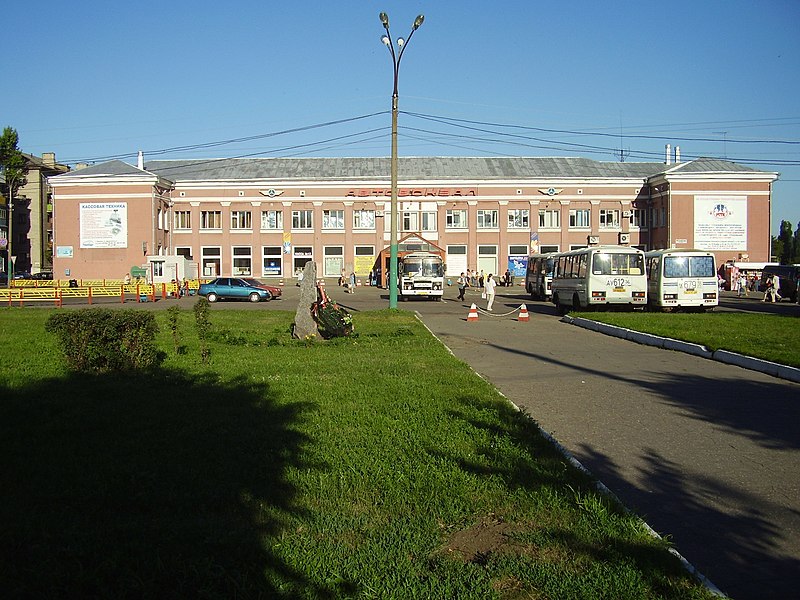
(373, 467)
(770, 337)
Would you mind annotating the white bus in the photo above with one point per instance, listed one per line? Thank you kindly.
(681, 278)
(599, 276)
(539, 276)
(420, 274)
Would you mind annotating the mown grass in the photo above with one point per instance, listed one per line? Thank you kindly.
(770, 337)
(373, 467)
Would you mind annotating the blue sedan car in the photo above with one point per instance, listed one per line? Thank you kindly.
(237, 288)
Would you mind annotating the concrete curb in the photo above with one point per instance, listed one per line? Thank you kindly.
(723, 356)
(569, 457)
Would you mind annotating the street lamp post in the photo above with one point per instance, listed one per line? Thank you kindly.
(396, 57)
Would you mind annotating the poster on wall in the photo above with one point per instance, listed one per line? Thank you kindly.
(104, 225)
(720, 223)
(518, 265)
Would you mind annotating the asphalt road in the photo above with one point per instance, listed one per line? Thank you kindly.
(708, 454)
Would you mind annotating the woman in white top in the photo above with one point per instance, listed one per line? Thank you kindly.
(488, 288)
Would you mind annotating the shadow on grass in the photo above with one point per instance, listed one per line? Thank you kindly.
(162, 485)
(536, 464)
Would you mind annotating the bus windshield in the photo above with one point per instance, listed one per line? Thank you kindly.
(617, 264)
(689, 266)
(427, 267)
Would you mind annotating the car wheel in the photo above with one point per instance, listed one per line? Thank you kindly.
(212, 297)
(254, 297)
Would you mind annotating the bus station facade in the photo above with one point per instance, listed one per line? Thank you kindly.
(266, 217)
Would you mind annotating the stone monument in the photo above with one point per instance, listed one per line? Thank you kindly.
(304, 325)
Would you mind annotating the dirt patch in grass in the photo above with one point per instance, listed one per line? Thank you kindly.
(479, 542)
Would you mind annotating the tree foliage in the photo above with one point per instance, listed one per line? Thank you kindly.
(12, 161)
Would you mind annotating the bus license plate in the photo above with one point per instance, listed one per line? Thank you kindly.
(619, 289)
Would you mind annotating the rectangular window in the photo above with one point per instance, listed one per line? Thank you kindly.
(241, 219)
(548, 249)
(549, 219)
(579, 217)
(242, 261)
(609, 219)
(210, 219)
(410, 221)
(639, 217)
(211, 261)
(271, 262)
(158, 268)
(517, 250)
(363, 219)
(428, 221)
(365, 250)
(302, 219)
(333, 263)
(182, 219)
(272, 219)
(519, 218)
(333, 219)
(487, 219)
(184, 251)
(456, 219)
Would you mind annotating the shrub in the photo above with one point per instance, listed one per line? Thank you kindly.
(101, 340)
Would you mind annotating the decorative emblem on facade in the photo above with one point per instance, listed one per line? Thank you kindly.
(270, 193)
(550, 191)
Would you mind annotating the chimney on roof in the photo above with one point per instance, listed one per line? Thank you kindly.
(49, 159)
(677, 155)
(669, 152)
(81, 165)
(140, 161)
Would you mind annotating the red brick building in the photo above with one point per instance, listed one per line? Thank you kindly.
(265, 217)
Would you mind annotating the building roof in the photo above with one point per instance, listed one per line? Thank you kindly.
(413, 168)
(409, 168)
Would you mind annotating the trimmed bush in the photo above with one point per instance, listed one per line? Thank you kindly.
(100, 340)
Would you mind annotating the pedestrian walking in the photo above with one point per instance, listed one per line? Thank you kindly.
(352, 283)
(488, 290)
(462, 286)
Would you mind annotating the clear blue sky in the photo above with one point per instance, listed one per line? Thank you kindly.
(95, 80)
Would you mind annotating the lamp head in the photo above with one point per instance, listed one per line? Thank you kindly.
(418, 21)
(385, 39)
(384, 19)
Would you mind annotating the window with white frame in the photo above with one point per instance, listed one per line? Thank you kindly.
(518, 250)
(519, 218)
(333, 219)
(182, 219)
(211, 261)
(210, 219)
(271, 261)
(428, 221)
(548, 249)
(157, 267)
(242, 261)
(272, 219)
(639, 217)
(488, 219)
(549, 219)
(580, 218)
(302, 219)
(456, 218)
(609, 218)
(333, 263)
(364, 219)
(184, 251)
(410, 221)
(241, 219)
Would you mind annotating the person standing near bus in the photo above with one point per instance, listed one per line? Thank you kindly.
(488, 289)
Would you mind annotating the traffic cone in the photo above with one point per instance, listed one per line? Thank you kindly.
(523, 314)
(473, 313)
